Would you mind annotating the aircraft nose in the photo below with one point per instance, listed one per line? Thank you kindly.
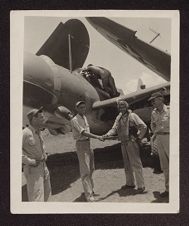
(37, 71)
(38, 81)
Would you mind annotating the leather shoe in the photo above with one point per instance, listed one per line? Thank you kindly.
(141, 190)
(164, 194)
(157, 171)
(128, 187)
(91, 199)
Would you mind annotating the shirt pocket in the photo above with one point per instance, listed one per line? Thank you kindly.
(31, 141)
(165, 121)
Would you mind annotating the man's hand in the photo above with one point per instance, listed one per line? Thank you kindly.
(46, 172)
(46, 156)
(34, 162)
(101, 138)
(144, 141)
(109, 137)
(105, 136)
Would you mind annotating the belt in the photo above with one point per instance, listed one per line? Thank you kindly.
(162, 133)
(82, 140)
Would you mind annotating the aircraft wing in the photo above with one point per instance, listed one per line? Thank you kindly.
(132, 98)
(123, 37)
(57, 45)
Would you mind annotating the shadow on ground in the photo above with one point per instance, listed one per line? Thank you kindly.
(61, 178)
(81, 198)
(123, 193)
(64, 168)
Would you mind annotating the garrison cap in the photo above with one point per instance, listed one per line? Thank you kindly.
(33, 113)
(155, 95)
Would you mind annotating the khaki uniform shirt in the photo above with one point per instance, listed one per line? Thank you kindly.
(160, 120)
(122, 123)
(32, 146)
(79, 125)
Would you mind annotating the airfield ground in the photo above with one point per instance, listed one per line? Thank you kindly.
(108, 177)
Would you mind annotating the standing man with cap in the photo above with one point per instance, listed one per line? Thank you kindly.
(34, 157)
(82, 135)
(130, 130)
(160, 128)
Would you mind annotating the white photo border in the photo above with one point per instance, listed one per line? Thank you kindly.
(16, 92)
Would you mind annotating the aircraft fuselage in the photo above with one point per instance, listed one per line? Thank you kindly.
(49, 85)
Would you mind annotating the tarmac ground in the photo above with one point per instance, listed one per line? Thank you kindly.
(108, 177)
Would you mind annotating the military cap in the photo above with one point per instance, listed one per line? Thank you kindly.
(155, 95)
(33, 113)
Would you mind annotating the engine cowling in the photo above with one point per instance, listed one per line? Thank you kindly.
(59, 122)
(62, 111)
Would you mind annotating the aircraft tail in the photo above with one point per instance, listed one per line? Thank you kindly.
(59, 48)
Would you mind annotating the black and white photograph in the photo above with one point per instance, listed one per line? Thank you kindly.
(94, 111)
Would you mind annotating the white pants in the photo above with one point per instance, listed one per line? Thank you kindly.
(38, 182)
(132, 163)
(86, 166)
(163, 150)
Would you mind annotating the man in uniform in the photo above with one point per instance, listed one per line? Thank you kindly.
(81, 133)
(160, 128)
(106, 77)
(34, 157)
(130, 130)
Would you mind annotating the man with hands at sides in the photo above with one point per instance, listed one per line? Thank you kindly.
(160, 127)
(81, 133)
(130, 130)
(34, 158)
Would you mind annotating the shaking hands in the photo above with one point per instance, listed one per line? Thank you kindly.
(106, 137)
(101, 138)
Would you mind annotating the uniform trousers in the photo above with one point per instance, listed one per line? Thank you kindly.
(86, 165)
(163, 150)
(38, 182)
(132, 163)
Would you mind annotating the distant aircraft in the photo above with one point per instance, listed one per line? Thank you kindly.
(123, 37)
(52, 80)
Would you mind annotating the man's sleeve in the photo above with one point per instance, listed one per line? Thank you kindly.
(141, 126)
(27, 138)
(76, 126)
(113, 130)
(138, 121)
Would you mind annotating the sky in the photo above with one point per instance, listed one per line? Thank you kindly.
(125, 69)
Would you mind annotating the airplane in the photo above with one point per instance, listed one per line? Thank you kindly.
(52, 79)
(156, 60)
